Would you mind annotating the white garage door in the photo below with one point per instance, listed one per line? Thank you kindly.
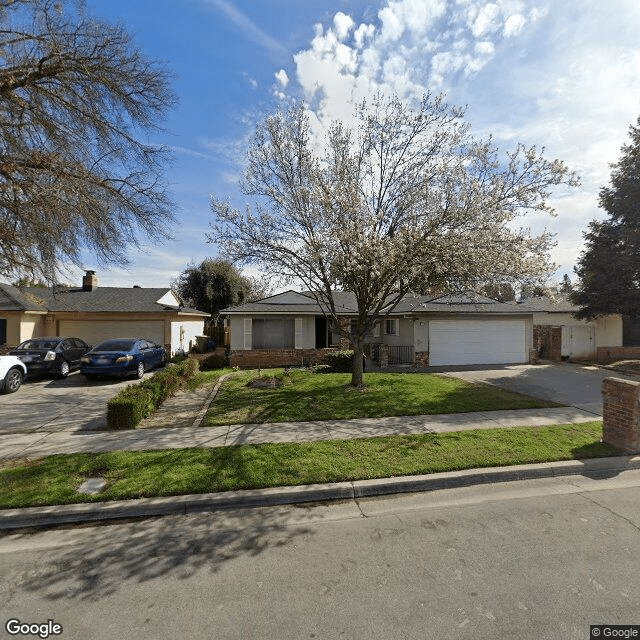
(454, 342)
(94, 332)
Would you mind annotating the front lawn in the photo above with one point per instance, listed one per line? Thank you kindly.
(304, 395)
(54, 479)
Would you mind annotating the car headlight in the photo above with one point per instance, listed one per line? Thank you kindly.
(85, 359)
(50, 355)
(124, 359)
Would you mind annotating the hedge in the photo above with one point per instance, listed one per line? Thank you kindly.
(138, 401)
(340, 361)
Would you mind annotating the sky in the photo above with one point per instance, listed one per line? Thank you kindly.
(559, 74)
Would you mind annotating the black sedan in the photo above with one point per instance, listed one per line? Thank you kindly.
(51, 356)
(123, 357)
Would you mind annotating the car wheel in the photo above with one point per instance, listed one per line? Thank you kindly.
(63, 369)
(140, 370)
(12, 380)
(163, 360)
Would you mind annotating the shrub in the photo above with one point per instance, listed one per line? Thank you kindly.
(136, 402)
(214, 361)
(340, 361)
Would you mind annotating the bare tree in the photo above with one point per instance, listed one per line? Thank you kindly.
(405, 201)
(77, 96)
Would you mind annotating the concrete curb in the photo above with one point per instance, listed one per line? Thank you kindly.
(182, 505)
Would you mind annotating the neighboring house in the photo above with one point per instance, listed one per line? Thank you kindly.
(96, 313)
(290, 329)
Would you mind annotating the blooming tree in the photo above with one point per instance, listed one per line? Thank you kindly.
(406, 200)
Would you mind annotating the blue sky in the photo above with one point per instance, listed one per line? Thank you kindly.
(560, 74)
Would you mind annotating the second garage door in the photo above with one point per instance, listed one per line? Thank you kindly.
(98, 331)
(458, 342)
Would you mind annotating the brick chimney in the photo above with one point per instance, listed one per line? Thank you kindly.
(89, 281)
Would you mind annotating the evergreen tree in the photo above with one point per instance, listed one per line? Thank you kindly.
(609, 267)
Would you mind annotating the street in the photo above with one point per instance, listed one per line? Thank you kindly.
(537, 559)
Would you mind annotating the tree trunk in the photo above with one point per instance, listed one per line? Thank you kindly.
(357, 368)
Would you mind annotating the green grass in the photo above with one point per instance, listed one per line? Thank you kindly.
(307, 396)
(207, 377)
(54, 479)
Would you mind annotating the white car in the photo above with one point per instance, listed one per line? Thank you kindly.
(12, 372)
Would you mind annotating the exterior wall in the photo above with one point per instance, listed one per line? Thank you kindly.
(251, 358)
(305, 331)
(23, 326)
(621, 414)
(183, 334)
(608, 329)
(405, 335)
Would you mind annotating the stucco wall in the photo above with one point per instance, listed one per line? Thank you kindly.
(608, 329)
(183, 334)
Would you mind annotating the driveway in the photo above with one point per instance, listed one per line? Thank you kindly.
(566, 383)
(49, 405)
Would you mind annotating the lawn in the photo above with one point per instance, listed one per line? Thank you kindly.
(54, 479)
(304, 395)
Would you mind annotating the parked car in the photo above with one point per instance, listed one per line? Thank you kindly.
(123, 357)
(56, 356)
(12, 374)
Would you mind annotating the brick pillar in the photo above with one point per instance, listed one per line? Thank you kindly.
(384, 356)
(621, 414)
(556, 344)
(345, 323)
(422, 358)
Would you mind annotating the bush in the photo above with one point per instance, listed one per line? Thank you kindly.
(136, 402)
(214, 361)
(340, 361)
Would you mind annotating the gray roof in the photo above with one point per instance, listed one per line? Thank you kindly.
(99, 300)
(291, 302)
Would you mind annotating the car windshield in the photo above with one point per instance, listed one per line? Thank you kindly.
(116, 345)
(39, 344)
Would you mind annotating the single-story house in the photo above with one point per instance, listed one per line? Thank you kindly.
(95, 313)
(290, 329)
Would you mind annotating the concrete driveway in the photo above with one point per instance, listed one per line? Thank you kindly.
(566, 383)
(49, 405)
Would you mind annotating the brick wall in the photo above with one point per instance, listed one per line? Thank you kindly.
(422, 359)
(621, 414)
(605, 355)
(547, 341)
(251, 358)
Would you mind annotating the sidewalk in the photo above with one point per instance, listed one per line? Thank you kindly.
(188, 411)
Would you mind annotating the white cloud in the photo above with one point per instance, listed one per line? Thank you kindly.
(282, 78)
(513, 25)
(343, 25)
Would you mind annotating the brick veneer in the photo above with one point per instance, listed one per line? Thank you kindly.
(547, 341)
(277, 357)
(422, 359)
(621, 414)
(609, 354)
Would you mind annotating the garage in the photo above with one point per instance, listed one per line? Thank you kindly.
(466, 342)
(95, 331)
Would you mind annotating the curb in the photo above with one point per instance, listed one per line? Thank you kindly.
(183, 505)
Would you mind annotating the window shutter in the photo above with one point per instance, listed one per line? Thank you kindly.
(247, 333)
(299, 335)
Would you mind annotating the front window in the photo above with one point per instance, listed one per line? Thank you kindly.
(391, 327)
(273, 333)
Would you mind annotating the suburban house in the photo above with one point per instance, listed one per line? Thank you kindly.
(290, 329)
(95, 313)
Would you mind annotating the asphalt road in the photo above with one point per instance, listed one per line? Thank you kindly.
(532, 560)
(45, 404)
